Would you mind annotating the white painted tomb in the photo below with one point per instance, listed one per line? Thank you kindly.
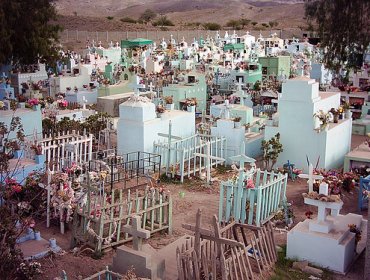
(138, 126)
(326, 241)
(299, 101)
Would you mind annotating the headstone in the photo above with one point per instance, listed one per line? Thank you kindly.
(311, 177)
(143, 258)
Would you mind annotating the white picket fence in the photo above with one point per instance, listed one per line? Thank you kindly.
(66, 148)
(179, 158)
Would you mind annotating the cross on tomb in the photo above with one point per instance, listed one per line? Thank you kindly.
(169, 141)
(84, 103)
(208, 157)
(240, 93)
(322, 224)
(136, 232)
(311, 177)
(289, 166)
(242, 158)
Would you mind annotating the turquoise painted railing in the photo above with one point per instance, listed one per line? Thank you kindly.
(362, 193)
(255, 205)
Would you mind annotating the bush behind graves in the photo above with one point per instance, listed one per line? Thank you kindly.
(211, 26)
(128, 20)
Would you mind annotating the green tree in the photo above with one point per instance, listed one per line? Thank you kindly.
(26, 31)
(148, 15)
(271, 150)
(343, 27)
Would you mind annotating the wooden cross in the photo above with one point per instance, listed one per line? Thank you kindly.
(208, 157)
(311, 177)
(136, 232)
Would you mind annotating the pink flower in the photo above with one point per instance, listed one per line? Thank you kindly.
(250, 184)
(17, 188)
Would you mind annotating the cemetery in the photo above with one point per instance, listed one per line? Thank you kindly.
(228, 156)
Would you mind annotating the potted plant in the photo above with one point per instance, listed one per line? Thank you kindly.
(347, 111)
(321, 120)
(160, 110)
(190, 104)
(237, 123)
(169, 102)
(335, 115)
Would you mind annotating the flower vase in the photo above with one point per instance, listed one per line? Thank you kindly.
(237, 125)
(170, 106)
(53, 242)
(191, 109)
(40, 159)
(317, 123)
(336, 118)
(36, 107)
(36, 94)
(37, 235)
(348, 114)
(18, 153)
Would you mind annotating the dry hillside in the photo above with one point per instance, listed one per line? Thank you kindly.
(92, 15)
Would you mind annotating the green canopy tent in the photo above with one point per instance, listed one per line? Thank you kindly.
(138, 42)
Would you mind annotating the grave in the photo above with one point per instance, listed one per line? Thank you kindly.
(77, 78)
(82, 96)
(142, 257)
(139, 125)
(33, 246)
(233, 251)
(236, 136)
(30, 119)
(6, 90)
(302, 111)
(241, 111)
(326, 241)
(194, 86)
(17, 79)
(359, 157)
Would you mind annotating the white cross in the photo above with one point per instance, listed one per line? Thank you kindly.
(311, 177)
(240, 93)
(136, 232)
(208, 157)
(169, 141)
(84, 103)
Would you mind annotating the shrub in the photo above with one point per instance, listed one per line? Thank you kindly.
(147, 15)
(163, 21)
(110, 17)
(212, 26)
(128, 19)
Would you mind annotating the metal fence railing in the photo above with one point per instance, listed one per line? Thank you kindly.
(189, 35)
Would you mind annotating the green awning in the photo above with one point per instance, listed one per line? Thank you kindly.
(239, 46)
(138, 42)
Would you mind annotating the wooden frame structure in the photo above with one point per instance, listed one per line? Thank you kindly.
(264, 199)
(99, 224)
(183, 154)
(236, 251)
